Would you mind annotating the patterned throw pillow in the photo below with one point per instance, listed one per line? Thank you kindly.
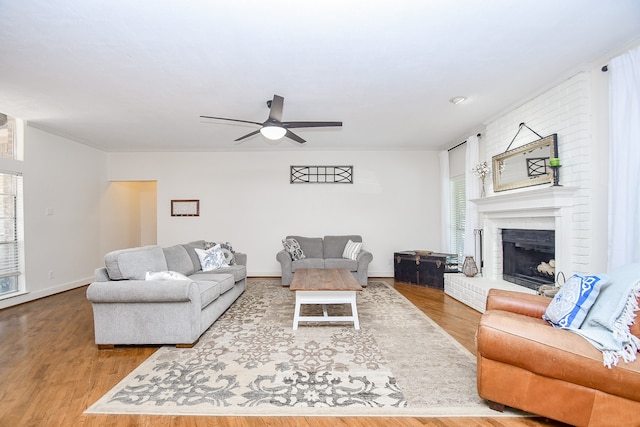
(212, 258)
(226, 248)
(164, 275)
(351, 250)
(293, 247)
(228, 255)
(571, 304)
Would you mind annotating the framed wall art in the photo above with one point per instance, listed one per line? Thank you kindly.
(185, 208)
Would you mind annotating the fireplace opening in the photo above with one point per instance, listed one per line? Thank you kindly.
(528, 257)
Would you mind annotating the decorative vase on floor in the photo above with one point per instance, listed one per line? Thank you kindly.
(469, 267)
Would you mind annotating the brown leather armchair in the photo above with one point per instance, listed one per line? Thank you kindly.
(525, 363)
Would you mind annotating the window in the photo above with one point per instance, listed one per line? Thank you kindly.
(458, 214)
(10, 186)
(11, 225)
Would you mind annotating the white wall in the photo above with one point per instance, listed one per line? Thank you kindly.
(148, 212)
(67, 178)
(246, 199)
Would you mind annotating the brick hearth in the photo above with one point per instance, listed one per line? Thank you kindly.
(473, 291)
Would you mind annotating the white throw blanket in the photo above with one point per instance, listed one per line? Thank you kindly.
(607, 323)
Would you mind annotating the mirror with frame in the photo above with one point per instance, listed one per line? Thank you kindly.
(525, 166)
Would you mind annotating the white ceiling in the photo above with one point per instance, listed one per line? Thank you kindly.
(135, 75)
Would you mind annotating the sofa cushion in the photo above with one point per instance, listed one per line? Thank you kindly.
(571, 304)
(334, 245)
(238, 271)
(209, 291)
(133, 263)
(293, 248)
(190, 248)
(178, 259)
(311, 246)
(348, 264)
(226, 281)
(307, 263)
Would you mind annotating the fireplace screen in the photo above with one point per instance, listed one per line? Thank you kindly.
(528, 257)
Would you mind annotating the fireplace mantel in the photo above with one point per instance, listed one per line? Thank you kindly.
(548, 208)
(554, 197)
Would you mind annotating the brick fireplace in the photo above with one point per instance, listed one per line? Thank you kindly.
(548, 208)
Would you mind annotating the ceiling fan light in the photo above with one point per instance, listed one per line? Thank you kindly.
(273, 132)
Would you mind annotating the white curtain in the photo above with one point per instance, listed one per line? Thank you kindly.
(445, 203)
(624, 159)
(472, 191)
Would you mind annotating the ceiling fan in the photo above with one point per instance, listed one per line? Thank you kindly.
(274, 128)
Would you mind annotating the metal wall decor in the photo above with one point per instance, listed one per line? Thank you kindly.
(185, 208)
(321, 174)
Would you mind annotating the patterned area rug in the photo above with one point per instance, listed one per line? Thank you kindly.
(251, 362)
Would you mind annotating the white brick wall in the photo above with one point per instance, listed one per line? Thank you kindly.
(564, 110)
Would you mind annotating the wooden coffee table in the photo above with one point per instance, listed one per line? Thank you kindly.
(325, 286)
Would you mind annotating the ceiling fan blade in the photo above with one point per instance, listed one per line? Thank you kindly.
(232, 120)
(276, 108)
(275, 120)
(247, 135)
(293, 125)
(295, 137)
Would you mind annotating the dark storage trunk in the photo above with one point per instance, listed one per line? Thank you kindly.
(419, 269)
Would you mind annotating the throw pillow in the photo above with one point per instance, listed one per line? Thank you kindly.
(228, 256)
(571, 304)
(164, 275)
(212, 258)
(351, 250)
(293, 247)
(226, 248)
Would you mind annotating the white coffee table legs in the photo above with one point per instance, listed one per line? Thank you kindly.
(324, 298)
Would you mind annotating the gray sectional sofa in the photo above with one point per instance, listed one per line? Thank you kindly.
(127, 309)
(325, 252)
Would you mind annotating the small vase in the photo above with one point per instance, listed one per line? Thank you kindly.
(469, 267)
(482, 190)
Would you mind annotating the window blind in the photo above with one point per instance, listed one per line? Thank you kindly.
(10, 193)
(458, 214)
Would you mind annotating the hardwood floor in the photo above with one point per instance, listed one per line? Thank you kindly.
(51, 370)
